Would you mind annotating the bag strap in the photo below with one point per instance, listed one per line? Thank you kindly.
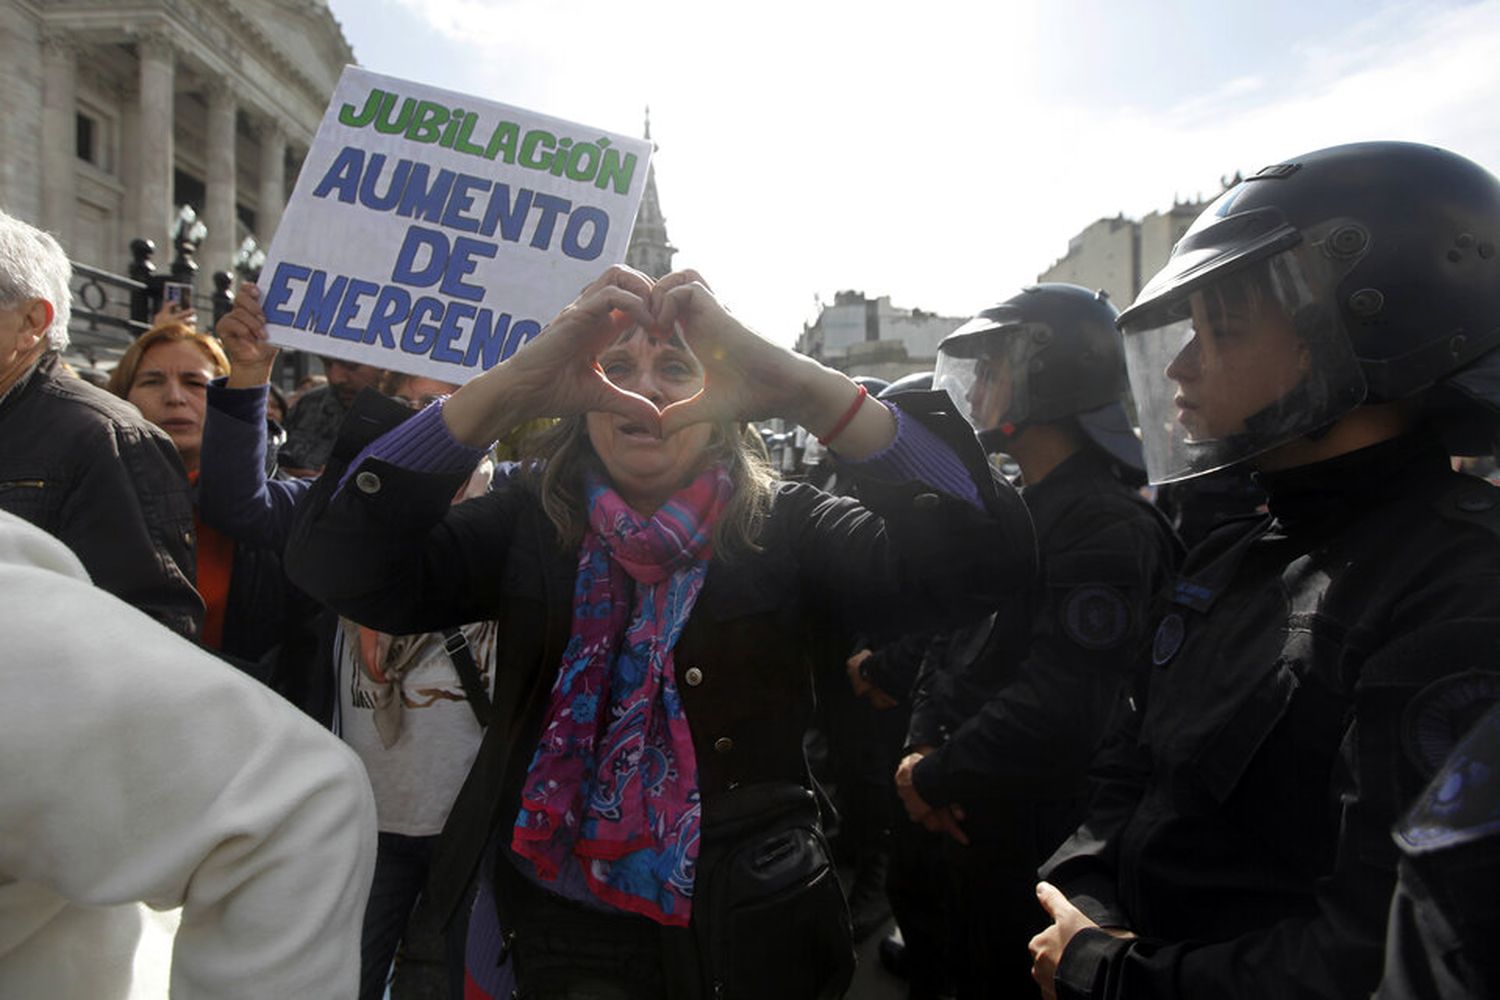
(457, 647)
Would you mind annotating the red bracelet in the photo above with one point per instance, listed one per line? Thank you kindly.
(846, 419)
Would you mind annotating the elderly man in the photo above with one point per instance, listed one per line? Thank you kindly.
(79, 462)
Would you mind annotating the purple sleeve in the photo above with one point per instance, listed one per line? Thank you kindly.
(421, 444)
(919, 454)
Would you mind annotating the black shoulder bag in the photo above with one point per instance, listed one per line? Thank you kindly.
(768, 913)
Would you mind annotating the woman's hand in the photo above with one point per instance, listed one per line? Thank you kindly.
(749, 378)
(557, 374)
(243, 333)
(171, 312)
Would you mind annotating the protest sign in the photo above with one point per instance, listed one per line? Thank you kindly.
(435, 233)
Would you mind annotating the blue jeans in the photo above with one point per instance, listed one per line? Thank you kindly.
(401, 865)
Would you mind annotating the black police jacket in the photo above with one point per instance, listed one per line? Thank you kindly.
(1445, 917)
(1017, 719)
(399, 559)
(1239, 823)
(86, 467)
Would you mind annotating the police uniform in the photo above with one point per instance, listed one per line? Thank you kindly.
(1299, 669)
(1445, 918)
(1019, 706)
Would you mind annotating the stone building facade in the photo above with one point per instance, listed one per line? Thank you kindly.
(118, 113)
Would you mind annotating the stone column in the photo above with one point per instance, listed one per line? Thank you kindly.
(156, 156)
(59, 136)
(219, 200)
(272, 181)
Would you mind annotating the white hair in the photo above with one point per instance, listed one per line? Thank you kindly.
(33, 266)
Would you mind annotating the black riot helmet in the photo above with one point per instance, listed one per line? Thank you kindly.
(1047, 354)
(915, 382)
(1358, 273)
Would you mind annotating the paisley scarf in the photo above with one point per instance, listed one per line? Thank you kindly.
(613, 786)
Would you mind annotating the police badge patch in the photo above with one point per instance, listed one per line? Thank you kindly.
(1440, 714)
(1095, 616)
(1462, 803)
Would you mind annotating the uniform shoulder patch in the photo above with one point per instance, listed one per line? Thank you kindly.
(1096, 616)
(1439, 715)
(1462, 803)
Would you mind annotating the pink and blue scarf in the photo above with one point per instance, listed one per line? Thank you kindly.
(613, 786)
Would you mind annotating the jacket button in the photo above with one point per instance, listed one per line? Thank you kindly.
(925, 501)
(367, 482)
(694, 676)
(723, 744)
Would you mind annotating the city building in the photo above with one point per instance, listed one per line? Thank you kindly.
(118, 114)
(650, 250)
(864, 336)
(1120, 255)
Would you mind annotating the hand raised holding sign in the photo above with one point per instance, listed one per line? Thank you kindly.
(242, 331)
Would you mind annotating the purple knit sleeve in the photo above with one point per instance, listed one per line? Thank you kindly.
(919, 454)
(421, 444)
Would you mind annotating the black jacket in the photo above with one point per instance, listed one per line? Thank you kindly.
(401, 560)
(86, 467)
(1240, 821)
(1017, 719)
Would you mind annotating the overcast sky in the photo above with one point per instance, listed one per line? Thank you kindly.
(940, 153)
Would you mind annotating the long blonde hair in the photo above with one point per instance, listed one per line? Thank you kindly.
(554, 462)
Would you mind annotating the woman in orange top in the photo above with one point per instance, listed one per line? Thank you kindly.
(166, 373)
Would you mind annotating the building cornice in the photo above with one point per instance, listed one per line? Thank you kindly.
(214, 39)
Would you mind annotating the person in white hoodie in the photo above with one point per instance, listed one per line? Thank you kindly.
(139, 768)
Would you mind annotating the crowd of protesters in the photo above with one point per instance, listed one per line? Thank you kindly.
(1125, 654)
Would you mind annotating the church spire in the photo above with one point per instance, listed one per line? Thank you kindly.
(650, 250)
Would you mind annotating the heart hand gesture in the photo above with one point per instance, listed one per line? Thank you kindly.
(749, 378)
(557, 374)
(746, 376)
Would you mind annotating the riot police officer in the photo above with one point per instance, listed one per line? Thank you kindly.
(1333, 321)
(1008, 713)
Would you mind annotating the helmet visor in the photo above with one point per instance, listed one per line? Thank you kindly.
(1241, 363)
(985, 374)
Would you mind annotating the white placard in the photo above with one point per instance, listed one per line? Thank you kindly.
(435, 233)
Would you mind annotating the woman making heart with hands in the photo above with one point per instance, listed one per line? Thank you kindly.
(602, 353)
(655, 589)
